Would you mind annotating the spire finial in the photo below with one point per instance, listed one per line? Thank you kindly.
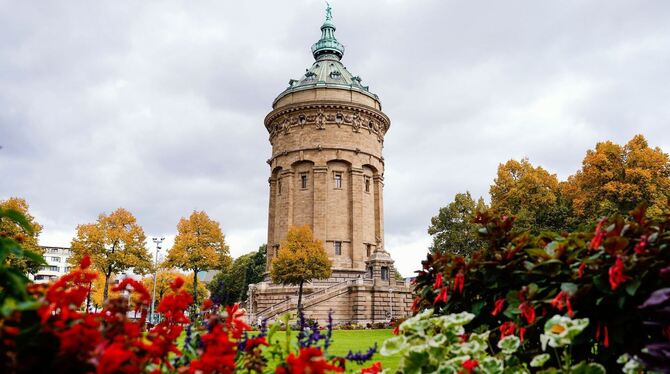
(328, 44)
(329, 12)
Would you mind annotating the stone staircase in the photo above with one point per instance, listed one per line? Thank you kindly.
(309, 300)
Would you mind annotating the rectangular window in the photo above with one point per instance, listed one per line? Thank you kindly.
(279, 187)
(303, 181)
(338, 180)
(276, 249)
(385, 273)
(338, 248)
(55, 259)
(53, 250)
(367, 184)
(368, 249)
(50, 268)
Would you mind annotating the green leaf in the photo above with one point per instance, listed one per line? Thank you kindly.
(538, 252)
(569, 287)
(632, 286)
(17, 217)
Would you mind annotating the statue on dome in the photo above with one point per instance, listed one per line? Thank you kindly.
(329, 12)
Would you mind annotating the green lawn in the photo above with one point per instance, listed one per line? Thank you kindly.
(357, 340)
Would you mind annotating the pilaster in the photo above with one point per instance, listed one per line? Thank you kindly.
(357, 250)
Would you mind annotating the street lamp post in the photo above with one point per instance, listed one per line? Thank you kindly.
(158, 242)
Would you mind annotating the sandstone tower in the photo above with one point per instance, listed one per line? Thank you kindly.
(327, 171)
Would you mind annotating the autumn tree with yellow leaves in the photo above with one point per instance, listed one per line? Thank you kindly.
(199, 246)
(28, 240)
(115, 243)
(300, 259)
(616, 178)
(163, 280)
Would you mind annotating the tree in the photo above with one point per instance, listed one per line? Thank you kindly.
(199, 246)
(615, 179)
(163, 279)
(115, 242)
(28, 240)
(231, 285)
(300, 259)
(453, 228)
(529, 193)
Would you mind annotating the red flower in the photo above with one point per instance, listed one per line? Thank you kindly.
(641, 245)
(522, 333)
(617, 277)
(310, 360)
(606, 335)
(415, 304)
(528, 312)
(598, 236)
(176, 284)
(580, 271)
(208, 303)
(85, 262)
(507, 328)
(569, 305)
(470, 365)
(438, 281)
(498, 307)
(459, 280)
(557, 302)
(374, 369)
(442, 296)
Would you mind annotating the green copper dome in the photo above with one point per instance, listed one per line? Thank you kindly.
(327, 70)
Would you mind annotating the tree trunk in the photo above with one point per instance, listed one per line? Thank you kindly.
(195, 288)
(105, 291)
(300, 297)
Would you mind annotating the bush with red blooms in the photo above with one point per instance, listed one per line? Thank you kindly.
(47, 328)
(521, 280)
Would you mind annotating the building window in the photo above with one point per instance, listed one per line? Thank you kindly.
(67, 269)
(40, 277)
(279, 187)
(303, 181)
(338, 180)
(368, 249)
(338, 248)
(367, 184)
(51, 268)
(55, 259)
(53, 250)
(369, 271)
(275, 249)
(385, 273)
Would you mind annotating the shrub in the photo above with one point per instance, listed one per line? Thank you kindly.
(521, 280)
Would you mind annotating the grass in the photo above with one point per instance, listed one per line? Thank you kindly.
(356, 341)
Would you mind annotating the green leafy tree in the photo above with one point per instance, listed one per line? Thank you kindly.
(115, 243)
(453, 228)
(199, 246)
(230, 285)
(615, 179)
(27, 238)
(300, 259)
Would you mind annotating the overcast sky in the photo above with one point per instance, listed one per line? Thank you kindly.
(158, 106)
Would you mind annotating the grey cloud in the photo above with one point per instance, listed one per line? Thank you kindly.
(158, 106)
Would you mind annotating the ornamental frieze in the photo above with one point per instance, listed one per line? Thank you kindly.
(321, 117)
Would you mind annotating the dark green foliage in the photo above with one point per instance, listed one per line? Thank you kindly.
(453, 228)
(605, 274)
(230, 285)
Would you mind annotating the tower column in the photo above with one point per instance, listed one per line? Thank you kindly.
(271, 220)
(379, 211)
(357, 252)
(320, 183)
